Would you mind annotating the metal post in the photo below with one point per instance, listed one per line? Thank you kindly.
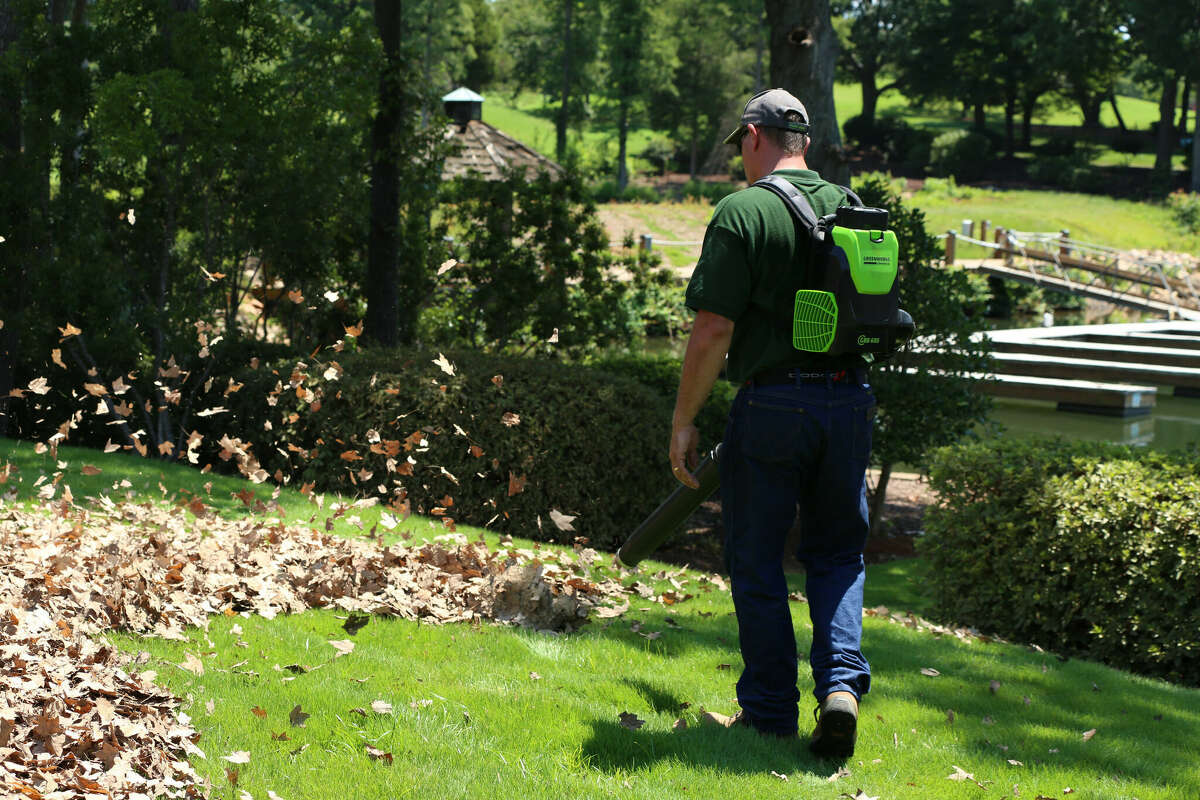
(647, 242)
(968, 227)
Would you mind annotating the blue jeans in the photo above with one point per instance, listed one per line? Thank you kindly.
(804, 444)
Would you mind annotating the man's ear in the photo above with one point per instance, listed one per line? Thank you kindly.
(753, 130)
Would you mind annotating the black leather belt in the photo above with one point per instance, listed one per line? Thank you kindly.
(770, 377)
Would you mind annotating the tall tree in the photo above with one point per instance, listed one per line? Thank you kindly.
(1168, 38)
(639, 61)
(553, 46)
(383, 250)
(711, 80)
(1094, 51)
(804, 51)
(870, 40)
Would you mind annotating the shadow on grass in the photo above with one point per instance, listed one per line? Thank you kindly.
(1017, 703)
(611, 747)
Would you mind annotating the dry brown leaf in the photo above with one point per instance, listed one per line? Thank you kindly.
(562, 521)
(192, 664)
(381, 707)
(630, 721)
(344, 647)
(261, 713)
(379, 755)
(297, 717)
(508, 418)
(444, 364)
(930, 671)
(1089, 734)
(960, 774)
(238, 757)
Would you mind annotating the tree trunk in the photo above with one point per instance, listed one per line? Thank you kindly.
(1183, 105)
(1196, 145)
(1027, 124)
(622, 141)
(1090, 106)
(560, 123)
(15, 216)
(1112, 101)
(760, 44)
(804, 51)
(980, 113)
(1010, 137)
(383, 310)
(694, 147)
(1164, 144)
(870, 95)
(879, 496)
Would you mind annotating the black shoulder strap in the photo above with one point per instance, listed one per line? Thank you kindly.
(797, 203)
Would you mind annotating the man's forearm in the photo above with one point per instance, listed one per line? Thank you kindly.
(702, 363)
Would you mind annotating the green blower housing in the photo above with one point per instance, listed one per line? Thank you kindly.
(849, 300)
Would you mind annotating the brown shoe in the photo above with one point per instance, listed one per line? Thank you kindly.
(837, 726)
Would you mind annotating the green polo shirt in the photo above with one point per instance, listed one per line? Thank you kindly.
(747, 273)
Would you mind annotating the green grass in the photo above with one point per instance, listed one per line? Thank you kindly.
(1124, 224)
(529, 120)
(482, 711)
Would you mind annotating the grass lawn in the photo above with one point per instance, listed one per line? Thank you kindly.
(529, 121)
(1120, 223)
(479, 711)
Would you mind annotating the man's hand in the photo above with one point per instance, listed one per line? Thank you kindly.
(705, 356)
(684, 456)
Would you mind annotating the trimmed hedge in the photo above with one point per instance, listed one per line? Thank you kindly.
(1082, 548)
(591, 442)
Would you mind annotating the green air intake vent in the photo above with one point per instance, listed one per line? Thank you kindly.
(814, 322)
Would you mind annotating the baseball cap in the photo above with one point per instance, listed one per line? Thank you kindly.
(768, 109)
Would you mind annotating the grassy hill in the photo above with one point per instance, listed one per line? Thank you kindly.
(474, 710)
(530, 118)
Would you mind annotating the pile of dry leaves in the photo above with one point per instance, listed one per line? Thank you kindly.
(76, 722)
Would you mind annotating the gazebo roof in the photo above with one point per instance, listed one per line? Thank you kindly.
(490, 153)
(462, 95)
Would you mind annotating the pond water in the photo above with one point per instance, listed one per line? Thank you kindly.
(1173, 424)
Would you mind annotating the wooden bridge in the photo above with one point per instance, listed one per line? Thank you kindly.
(1116, 370)
(1055, 261)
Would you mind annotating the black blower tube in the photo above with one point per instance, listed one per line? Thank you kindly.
(671, 514)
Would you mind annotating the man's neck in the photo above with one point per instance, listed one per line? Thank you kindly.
(790, 162)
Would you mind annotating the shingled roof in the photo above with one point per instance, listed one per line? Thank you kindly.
(490, 153)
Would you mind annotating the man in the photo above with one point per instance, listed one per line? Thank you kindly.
(799, 433)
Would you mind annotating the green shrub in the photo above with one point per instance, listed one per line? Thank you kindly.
(960, 153)
(1185, 207)
(1083, 548)
(661, 376)
(904, 144)
(606, 192)
(860, 132)
(1073, 173)
(591, 442)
